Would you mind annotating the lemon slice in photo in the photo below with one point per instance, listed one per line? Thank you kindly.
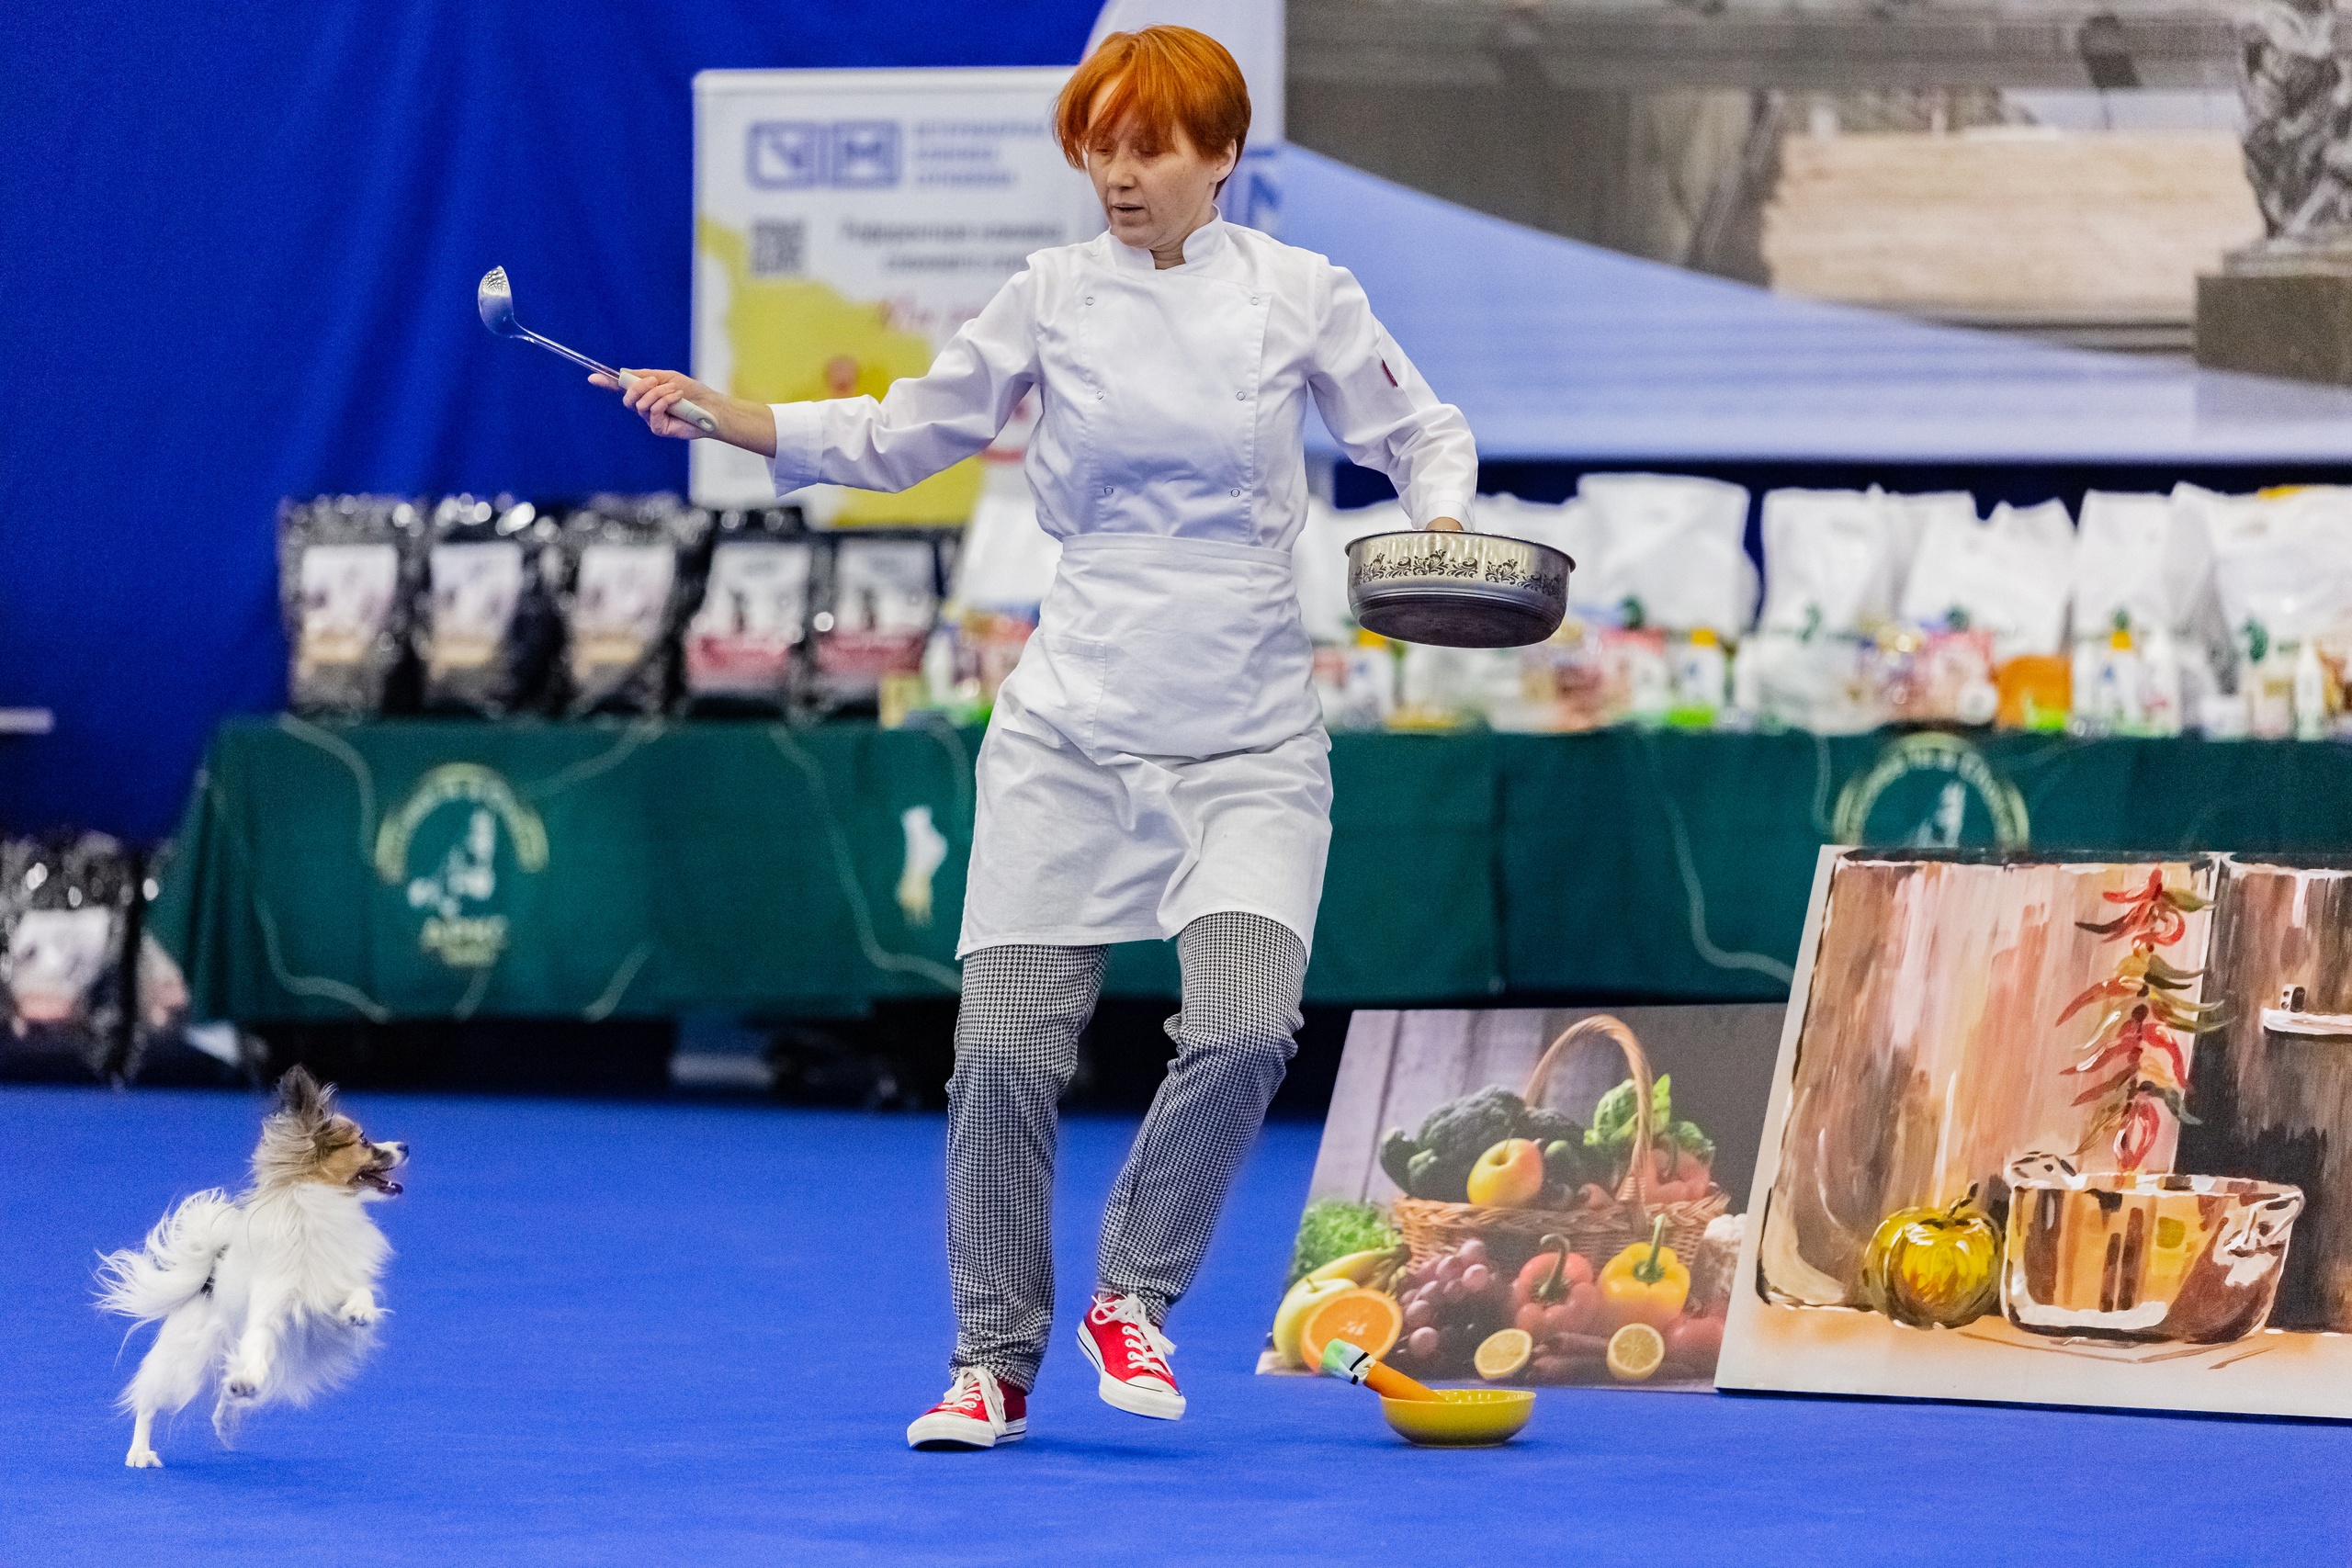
(1635, 1352)
(1503, 1353)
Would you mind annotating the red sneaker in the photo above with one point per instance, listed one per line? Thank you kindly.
(978, 1411)
(1128, 1349)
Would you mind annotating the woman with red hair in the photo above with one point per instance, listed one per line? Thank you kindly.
(1157, 765)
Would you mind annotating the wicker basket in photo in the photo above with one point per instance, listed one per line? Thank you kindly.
(1513, 1236)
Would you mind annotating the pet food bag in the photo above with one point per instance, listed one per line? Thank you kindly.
(2147, 559)
(1835, 564)
(1447, 688)
(2009, 575)
(346, 565)
(2282, 561)
(1007, 561)
(743, 643)
(1835, 560)
(879, 604)
(1669, 552)
(167, 1047)
(1356, 684)
(625, 573)
(1000, 573)
(486, 627)
(2151, 652)
(2282, 566)
(1827, 683)
(65, 906)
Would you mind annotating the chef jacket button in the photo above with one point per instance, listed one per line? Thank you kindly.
(1236, 493)
(1106, 489)
(1241, 397)
(1089, 299)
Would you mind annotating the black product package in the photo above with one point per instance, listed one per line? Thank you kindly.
(165, 1046)
(347, 571)
(629, 570)
(485, 627)
(744, 643)
(878, 602)
(66, 904)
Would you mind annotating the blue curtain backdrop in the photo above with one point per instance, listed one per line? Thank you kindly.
(238, 251)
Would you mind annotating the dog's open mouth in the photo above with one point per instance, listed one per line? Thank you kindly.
(379, 1176)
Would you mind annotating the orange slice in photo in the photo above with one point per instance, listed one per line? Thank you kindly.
(1502, 1353)
(1635, 1352)
(1368, 1319)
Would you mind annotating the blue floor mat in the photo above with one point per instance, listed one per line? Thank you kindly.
(658, 1333)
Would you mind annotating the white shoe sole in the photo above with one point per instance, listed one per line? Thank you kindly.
(1124, 1396)
(956, 1432)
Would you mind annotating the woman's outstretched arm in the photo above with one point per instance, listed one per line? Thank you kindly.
(918, 427)
(1384, 415)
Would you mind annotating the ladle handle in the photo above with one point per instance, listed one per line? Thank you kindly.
(684, 408)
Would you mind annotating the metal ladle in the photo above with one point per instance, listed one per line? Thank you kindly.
(495, 301)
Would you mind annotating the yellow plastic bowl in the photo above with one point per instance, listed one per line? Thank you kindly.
(1461, 1417)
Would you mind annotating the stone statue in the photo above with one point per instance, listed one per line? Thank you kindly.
(2296, 83)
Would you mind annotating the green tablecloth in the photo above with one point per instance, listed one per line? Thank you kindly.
(408, 869)
(419, 869)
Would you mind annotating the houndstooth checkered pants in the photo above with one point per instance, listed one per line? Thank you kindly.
(1016, 1045)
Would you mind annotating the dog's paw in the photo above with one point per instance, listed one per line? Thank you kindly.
(363, 1317)
(240, 1385)
(143, 1459)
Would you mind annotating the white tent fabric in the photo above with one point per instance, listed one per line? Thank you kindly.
(1557, 350)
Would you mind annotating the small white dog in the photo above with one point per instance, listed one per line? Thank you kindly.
(272, 1295)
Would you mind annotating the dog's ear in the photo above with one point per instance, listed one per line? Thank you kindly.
(300, 1097)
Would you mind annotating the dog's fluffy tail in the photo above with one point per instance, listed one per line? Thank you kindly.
(173, 1265)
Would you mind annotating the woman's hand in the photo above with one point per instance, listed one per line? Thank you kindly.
(653, 393)
(1446, 525)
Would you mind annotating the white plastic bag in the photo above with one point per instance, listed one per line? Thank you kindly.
(2009, 575)
(1670, 552)
(1833, 560)
(1007, 561)
(2283, 564)
(2146, 557)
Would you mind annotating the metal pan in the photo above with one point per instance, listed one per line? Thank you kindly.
(1457, 590)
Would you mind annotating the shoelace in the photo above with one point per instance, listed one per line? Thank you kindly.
(1145, 1345)
(970, 1388)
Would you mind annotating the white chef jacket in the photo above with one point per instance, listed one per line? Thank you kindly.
(1157, 754)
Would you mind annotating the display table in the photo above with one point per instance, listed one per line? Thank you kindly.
(447, 869)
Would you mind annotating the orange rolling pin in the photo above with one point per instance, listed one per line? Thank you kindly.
(1346, 1363)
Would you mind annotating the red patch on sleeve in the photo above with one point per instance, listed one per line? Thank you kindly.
(1388, 372)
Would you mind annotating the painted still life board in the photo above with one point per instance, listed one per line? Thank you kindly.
(1532, 1196)
(2060, 1131)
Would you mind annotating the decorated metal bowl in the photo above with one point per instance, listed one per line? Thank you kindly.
(1457, 590)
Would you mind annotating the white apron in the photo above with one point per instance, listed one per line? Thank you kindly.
(1158, 755)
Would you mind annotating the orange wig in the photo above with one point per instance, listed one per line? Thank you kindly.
(1161, 79)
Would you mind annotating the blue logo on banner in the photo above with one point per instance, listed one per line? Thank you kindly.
(865, 154)
(786, 154)
(796, 154)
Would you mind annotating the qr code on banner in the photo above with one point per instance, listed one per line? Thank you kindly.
(779, 248)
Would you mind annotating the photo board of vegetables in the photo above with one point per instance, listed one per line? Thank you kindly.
(1530, 1196)
(2061, 1131)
